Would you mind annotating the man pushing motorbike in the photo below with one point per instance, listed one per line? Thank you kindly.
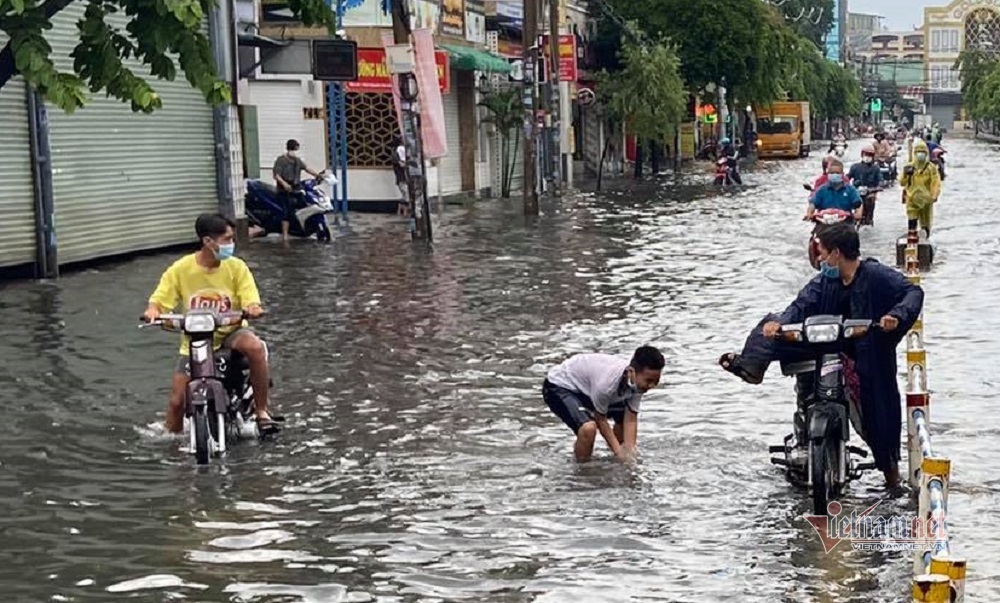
(921, 183)
(854, 289)
(213, 278)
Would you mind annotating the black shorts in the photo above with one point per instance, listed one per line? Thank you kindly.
(574, 408)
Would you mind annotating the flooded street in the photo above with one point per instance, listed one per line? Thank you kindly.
(420, 463)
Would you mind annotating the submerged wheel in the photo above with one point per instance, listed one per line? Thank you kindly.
(824, 463)
(201, 435)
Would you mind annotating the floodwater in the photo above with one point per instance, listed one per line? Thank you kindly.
(420, 463)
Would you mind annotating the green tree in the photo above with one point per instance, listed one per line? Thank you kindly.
(161, 34)
(506, 115)
(811, 19)
(976, 68)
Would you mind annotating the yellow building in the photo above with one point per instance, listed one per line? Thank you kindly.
(948, 30)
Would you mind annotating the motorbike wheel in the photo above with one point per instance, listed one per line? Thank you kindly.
(201, 435)
(824, 463)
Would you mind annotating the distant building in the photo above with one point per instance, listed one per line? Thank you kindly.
(836, 39)
(860, 28)
(948, 31)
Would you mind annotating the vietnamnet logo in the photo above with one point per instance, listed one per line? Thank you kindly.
(210, 299)
(868, 532)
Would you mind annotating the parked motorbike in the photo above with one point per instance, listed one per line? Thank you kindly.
(265, 210)
(868, 198)
(829, 464)
(724, 172)
(219, 397)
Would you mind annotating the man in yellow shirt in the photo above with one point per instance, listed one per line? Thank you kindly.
(212, 278)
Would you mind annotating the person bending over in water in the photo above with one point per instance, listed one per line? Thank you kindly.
(588, 389)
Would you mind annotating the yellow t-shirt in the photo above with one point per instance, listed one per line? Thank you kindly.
(228, 288)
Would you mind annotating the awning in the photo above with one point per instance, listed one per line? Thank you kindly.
(469, 59)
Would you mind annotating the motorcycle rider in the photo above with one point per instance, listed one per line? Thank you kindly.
(854, 289)
(728, 150)
(866, 173)
(213, 277)
(937, 158)
(921, 182)
(287, 172)
(885, 150)
(836, 193)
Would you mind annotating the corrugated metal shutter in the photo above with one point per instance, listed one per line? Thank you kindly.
(124, 181)
(17, 205)
(450, 169)
(280, 117)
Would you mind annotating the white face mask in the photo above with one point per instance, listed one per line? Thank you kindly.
(293, 153)
(867, 159)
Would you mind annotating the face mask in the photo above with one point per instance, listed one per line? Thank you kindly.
(867, 159)
(293, 153)
(224, 252)
(828, 270)
(836, 179)
(921, 156)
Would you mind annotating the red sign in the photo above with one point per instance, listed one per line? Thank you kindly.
(374, 76)
(567, 56)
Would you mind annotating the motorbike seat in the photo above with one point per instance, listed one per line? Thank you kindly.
(791, 369)
(260, 186)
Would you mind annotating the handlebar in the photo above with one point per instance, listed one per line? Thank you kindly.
(225, 319)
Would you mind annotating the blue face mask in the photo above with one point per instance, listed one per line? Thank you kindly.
(224, 252)
(836, 179)
(921, 156)
(828, 270)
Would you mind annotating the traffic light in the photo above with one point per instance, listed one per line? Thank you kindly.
(876, 105)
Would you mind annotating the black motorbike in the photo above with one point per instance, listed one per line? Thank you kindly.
(888, 169)
(824, 431)
(868, 198)
(219, 397)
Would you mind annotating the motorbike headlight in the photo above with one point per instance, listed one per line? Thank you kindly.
(823, 333)
(855, 332)
(199, 323)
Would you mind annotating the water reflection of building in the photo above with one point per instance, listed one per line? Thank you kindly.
(949, 30)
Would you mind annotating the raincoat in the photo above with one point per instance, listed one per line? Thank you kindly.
(921, 184)
(876, 291)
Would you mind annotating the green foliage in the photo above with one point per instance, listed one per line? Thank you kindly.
(648, 93)
(506, 113)
(161, 34)
(980, 84)
(811, 19)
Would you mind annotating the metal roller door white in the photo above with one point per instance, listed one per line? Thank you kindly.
(280, 117)
(450, 167)
(123, 181)
(17, 205)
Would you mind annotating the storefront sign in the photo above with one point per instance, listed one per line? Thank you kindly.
(425, 15)
(373, 73)
(511, 10)
(507, 48)
(453, 18)
(475, 27)
(567, 56)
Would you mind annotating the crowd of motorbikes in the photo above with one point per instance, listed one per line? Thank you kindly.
(829, 462)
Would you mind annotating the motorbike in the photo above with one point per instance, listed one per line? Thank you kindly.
(868, 198)
(724, 172)
(839, 149)
(265, 209)
(830, 462)
(888, 169)
(219, 397)
(822, 219)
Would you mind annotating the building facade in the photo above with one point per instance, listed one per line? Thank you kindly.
(948, 30)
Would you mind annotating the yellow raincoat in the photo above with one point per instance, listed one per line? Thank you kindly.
(921, 186)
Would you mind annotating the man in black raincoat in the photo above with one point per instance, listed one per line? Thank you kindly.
(855, 289)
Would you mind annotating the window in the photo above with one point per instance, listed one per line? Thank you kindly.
(371, 126)
(953, 40)
(778, 125)
(936, 40)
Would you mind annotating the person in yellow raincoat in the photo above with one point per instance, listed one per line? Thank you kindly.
(921, 184)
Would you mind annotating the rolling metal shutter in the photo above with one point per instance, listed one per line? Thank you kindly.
(450, 167)
(17, 201)
(280, 117)
(124, 181)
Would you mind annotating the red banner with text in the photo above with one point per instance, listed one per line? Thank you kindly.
(374, 76)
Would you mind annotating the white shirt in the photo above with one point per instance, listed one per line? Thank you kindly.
(597, 376)
(401, 153)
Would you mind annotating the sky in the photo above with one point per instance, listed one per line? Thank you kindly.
(899, 14)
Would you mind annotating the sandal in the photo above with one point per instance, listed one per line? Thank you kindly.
(731, 363)
(269, 425)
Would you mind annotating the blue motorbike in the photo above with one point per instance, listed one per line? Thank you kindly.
(265, 208)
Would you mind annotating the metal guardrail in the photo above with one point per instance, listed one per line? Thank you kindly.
(938, 576)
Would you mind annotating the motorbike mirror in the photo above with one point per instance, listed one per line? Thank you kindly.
(807, 186)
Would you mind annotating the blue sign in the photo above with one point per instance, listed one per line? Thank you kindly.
(833, 37)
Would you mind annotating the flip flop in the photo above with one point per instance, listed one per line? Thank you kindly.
(731, 363)
(270, 425)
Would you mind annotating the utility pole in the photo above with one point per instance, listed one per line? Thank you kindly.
(530, 53)
(420, 214)
(555, 104)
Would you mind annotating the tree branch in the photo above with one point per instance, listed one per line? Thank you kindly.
(7, 67)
